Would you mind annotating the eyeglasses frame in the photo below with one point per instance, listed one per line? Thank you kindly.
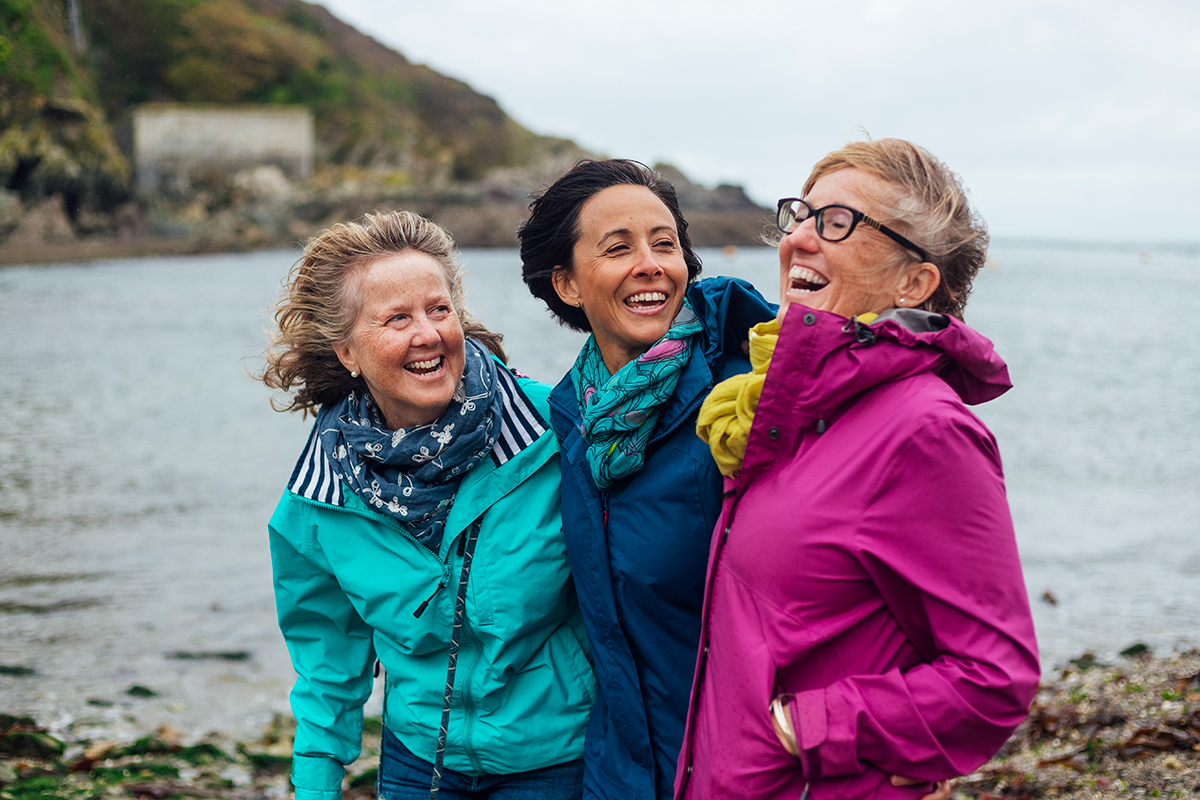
(856, 216)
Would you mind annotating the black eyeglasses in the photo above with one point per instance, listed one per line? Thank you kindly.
(834, 223)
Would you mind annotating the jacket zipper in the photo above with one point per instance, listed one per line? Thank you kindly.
(468, 696)
(682, 418)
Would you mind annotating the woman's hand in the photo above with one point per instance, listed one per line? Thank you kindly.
(781, 721)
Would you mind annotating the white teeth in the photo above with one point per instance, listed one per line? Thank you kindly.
(807, 276)
(647, 297)
(430, 364)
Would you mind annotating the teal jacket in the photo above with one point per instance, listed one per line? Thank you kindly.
(351, 585)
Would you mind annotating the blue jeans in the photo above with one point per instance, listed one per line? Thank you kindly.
(403, 776)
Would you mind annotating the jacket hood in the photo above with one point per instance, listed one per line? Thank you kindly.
(728, 307)
(971, 365)
(822, 359)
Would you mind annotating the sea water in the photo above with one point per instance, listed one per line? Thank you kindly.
(139, 463)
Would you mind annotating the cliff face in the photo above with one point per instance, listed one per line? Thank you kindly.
(54, 140)
(380, 119)
(374, 109)
(388, 132)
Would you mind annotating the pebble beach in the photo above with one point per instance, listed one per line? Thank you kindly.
(1130, 728)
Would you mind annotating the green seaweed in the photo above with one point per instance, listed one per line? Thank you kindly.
(204, 655)
(110, 774)
(147, 745)
(150, 769)
(366, 779)
(266, 762)
(14, 581)
(204, 753)
(8, 607)
(41, 786)
(31, 744)
(8, 721)
(1135, 650)
(17, 672)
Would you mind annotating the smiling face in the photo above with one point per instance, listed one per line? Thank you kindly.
(858, 274)
(628, 271)
(407, 341)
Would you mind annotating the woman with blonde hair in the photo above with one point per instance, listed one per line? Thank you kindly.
(864, 611)
(421, 530)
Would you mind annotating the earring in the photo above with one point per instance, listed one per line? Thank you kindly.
(901, 301)
(579, 304)
(353, 374)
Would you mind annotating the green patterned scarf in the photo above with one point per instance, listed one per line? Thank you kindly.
(620, 411)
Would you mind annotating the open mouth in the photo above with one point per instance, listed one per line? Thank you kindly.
(425, 367)
(646, 300)
(805, 280)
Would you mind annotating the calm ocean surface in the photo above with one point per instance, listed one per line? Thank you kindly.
(139, 464)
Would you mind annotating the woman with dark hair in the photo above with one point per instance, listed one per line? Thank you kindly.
(865, 611)
(607, 249)
(421, 528)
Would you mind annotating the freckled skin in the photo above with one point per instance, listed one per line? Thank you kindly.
(856, 267)
(406, 318)
(628, 245)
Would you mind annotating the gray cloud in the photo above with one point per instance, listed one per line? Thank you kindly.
(1055, 113)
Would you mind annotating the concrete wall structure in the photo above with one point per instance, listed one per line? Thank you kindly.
(172, 142)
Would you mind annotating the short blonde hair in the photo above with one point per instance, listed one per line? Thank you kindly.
(321, 302)
(928, 205)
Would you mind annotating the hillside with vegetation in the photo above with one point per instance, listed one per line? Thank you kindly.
(388, 132)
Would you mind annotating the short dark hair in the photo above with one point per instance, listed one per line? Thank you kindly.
(548, 237)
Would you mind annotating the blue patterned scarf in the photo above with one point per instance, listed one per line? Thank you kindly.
(620, 411)
(412, 474)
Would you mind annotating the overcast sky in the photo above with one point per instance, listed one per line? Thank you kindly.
(1077, 119)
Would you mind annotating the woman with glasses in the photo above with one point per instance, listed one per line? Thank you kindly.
(865, 612)
(607, 249)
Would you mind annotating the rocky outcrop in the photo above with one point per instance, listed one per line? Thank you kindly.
(390, 134)
(694, 197)
(260, 207)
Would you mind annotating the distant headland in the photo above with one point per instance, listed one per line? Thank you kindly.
(84, 174)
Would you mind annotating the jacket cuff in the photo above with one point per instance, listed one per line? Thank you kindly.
(317, 777)
(825, 734)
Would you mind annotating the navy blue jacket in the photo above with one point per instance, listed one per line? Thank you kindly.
(639, 553)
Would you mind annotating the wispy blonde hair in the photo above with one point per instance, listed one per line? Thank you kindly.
(321, 302)
(927, 204)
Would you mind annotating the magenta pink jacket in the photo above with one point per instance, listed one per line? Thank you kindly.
(864, 562)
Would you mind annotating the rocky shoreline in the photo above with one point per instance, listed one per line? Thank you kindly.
(1100, 731)
(1096, 731)
(260, 208)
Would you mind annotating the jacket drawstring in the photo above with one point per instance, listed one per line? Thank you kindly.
(460, 609)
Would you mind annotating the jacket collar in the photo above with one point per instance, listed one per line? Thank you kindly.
(822, 359)
(521, 440)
